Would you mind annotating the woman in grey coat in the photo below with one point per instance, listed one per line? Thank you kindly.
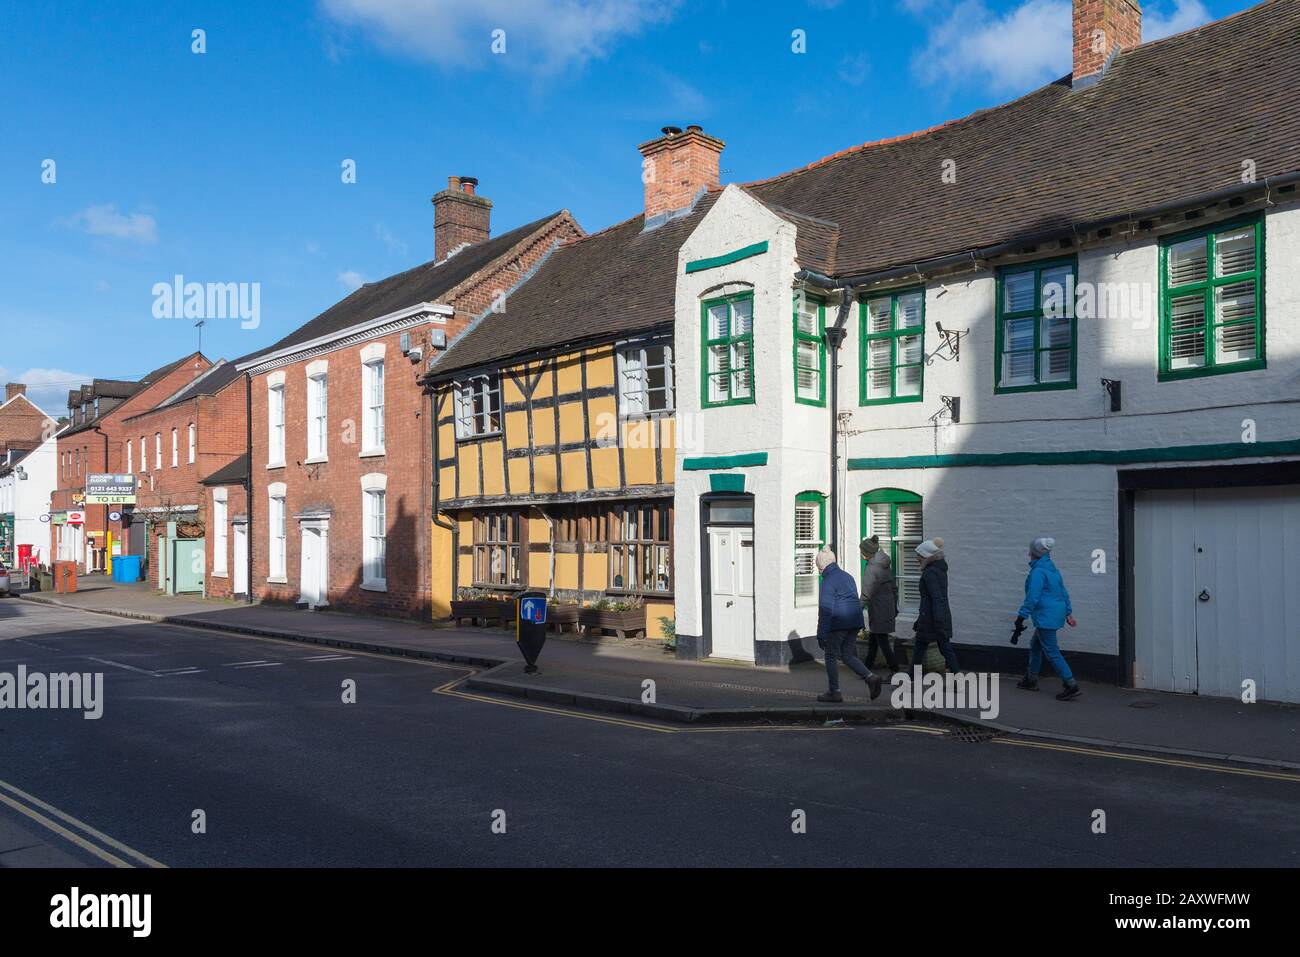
(879, 601)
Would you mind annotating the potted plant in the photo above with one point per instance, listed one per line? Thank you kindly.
(563, 614)
(481, 606)
(622, 616)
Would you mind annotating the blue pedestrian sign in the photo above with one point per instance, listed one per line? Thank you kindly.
(533, 610)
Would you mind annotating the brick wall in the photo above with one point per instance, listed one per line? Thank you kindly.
(217, 584)
(1100, 27)
(22, 426)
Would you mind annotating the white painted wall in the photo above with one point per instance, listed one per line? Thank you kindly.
(30, 499)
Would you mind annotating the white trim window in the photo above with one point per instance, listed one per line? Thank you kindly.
(194, 442)
(809, 526)
(144, 455)
(478, 406)
(318, 416)
(157, 451)
(219, 532)
(645, 379)
(374, 531)
(129, 467)
(275, 425)
(176, 449)
(275, 529)
(372, 407)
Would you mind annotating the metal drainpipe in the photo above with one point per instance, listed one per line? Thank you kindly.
(834, 339)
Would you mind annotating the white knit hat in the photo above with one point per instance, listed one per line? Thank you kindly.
(930, 547)
(1041, 546)
(825, 557)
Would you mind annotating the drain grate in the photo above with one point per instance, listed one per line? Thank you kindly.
(970, 735)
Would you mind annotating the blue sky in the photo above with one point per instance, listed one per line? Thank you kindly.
(225, 166)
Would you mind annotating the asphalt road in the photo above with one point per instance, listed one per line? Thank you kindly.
(256, 735)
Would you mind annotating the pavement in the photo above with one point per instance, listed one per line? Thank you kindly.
(612, 676)
(254, 739)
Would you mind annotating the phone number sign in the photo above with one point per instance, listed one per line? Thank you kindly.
(110, 489)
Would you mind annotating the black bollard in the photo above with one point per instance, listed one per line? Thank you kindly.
(530, 627)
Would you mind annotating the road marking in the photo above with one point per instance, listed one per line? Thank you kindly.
(236, 664)
(16, 798)
(118, 664)
(260, 664)
(327, 658)
(1151, 759)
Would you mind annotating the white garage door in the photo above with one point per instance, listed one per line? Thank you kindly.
(1217, 596)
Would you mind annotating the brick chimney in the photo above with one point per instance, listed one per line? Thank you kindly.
(1101, 29)
(676, 166)
(14, 388)
(459, 216)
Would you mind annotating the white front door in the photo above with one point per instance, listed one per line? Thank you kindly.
(315, 560)
(1214, 602)
(239, 542)
(731, 584)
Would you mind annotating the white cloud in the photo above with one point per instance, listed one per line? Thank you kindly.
(1023, 48)
(105, 220)
(1186, 15)
(395, 246)
(854, 68)
(544, 35)
(48, 388)
(351, 280)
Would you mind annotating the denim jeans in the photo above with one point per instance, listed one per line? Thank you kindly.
(920, 644)
(842, 645)
(1044, 643)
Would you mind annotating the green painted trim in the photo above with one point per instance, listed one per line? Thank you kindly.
(1177, 453)
(1000, 319)
(727, 483)
(893, 335)
(705, 463)
(820, 339)
(895, 496)
(726, 259)
(1206, 290)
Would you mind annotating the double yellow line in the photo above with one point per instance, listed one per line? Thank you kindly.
(107, 849)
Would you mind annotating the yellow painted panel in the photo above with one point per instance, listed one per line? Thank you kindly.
(447, 481)
(466, 571)
(544, 474)
(539, 569)
(518, 476)
(572, 428)
(570, 373)
(575, 471)
(653, 612)
(539, 532)
(543, 389)
(517, 430)
(640, 466)
(600, 368)
(543, 427)
(510, 391)
(604, 418)
(595, 571)
(468, 469)
(566, 570)
(493, 469)
(441, 558)
(604, 468)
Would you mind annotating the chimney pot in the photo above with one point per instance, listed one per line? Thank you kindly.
(460, 216)
(14, 388)
(1101, 29)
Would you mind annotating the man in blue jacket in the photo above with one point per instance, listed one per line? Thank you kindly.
(1047, 603)
(839, 619)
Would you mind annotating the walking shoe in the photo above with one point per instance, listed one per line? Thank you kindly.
(831, 697)
(1069, 692)
(1028, 683)
(874, 683)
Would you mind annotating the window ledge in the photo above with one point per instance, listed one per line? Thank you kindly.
(275, 465)
(316, 460)
(220, 574)
(274, 580)
(378, 584)
(476, 438)
(371, 453)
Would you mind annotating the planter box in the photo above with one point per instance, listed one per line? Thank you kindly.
(483, 610)
(622, 623)
(562, 617)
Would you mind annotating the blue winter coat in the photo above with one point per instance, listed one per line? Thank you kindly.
(1046, 600)
(838, 607)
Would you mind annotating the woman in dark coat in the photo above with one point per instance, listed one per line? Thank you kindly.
(934, 623)
(880, 601)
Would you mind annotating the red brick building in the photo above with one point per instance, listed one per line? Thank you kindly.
(170, 448)
(95, 441)
(341, 438)
(23, 425)
(226, 542)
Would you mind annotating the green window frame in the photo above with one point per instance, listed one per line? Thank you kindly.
(896, 516)
(727, 351)
(809, 349)
(809, 539)
(1023, 308)
(891, 364)
(1212, 300)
